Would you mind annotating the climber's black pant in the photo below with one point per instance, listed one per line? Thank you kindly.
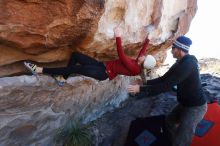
(80, 64)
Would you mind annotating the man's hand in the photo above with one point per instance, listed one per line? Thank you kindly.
(133, 88)
(117, 32)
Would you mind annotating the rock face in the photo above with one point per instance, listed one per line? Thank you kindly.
(32, 109)
(47, 31)
(210, 65)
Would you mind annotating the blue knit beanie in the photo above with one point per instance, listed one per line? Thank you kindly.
(183, 43)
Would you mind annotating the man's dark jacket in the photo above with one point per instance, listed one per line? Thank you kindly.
(185, 74)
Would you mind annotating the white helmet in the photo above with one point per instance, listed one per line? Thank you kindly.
(149, 62)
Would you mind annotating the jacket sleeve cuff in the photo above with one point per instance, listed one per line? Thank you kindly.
(118, 38)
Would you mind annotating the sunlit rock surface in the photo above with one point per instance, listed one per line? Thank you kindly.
(47, 31)
(32, 109)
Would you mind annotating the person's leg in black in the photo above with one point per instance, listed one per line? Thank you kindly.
(94, 71)
(81, 59)
(79, 64)
(58, 71)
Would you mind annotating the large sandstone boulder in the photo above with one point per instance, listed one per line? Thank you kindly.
(32, 109)
(46, 31)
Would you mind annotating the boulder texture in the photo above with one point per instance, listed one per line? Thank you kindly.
(32, 109)
(47, 31)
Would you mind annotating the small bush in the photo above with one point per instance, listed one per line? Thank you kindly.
(75, 134)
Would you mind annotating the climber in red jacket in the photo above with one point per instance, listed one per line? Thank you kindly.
(87, 66)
